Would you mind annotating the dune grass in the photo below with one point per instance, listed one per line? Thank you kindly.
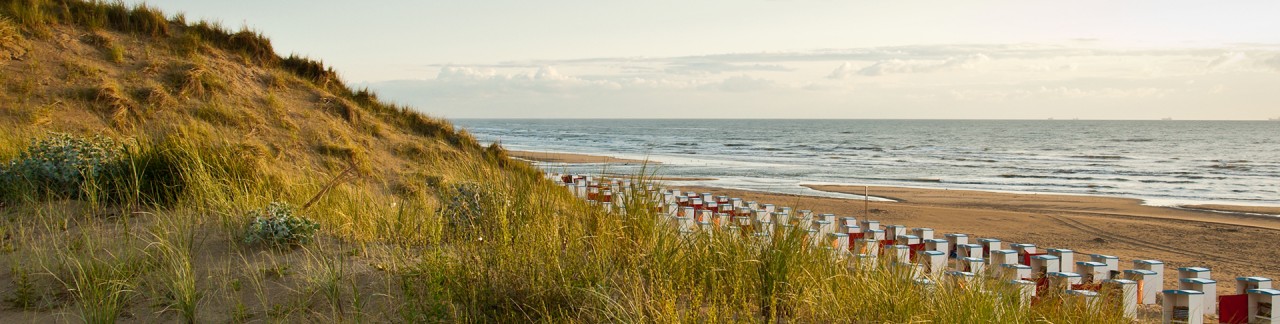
(515, 248)
(430, 227)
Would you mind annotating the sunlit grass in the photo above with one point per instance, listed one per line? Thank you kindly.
(429, 227)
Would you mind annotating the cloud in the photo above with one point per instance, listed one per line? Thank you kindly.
(896, 66)
(1234, 61)
(1272, 63)
(1069, 67)
(844, 71)
(912, 54)
(547, 73)
(463, 80)
(1227, 59)
(1063, 76)
(1061, 92)
(714, 67)
(462, 73)
(744, 83)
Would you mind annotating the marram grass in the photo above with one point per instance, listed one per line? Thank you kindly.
(432, 227)
(533, 252)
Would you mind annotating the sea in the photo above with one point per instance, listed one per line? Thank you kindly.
(1162, 162)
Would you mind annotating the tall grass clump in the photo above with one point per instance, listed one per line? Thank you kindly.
(172, 248)
(251, 44)
(309, 69)
(10, 35)
(194, 81)
(30, 13)
(139, 19)
(101, 279)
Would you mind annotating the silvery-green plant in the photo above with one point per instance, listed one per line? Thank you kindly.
(60, 164)
(277, 225)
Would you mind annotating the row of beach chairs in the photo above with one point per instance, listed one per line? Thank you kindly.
(1092, 280)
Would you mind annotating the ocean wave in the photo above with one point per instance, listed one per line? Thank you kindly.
(1229, 166)
(1202, 162)
(1100, 157)
(975, 160)
(1167, 181)
(1025, 176)
(1034, 185)
(862, 148)
(1200, 177)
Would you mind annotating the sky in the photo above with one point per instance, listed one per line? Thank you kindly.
(788, 59)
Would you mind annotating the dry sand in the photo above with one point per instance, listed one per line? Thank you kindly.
(1231, 243)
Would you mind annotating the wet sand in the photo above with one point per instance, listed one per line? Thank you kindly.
(1238, 209)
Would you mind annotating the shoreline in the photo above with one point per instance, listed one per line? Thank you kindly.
(1059, 203)
(1230, 208)
(1235, 209)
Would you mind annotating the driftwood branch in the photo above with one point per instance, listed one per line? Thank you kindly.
(351, 168)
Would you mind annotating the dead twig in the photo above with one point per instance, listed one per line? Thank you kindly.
(351, 168)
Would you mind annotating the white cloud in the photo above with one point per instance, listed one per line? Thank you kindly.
(844, 71)
(1272, 63)
(1267, 61)
(744, 83)
(896, 66)
(1069, 67)
(462, 73)
(716, 67)
(1105, 81)
(1060, 92)
(486, 82)
(547, 73)
(1227, 59)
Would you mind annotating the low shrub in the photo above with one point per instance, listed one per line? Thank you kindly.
(278, 226)
(60, 165)
(63, 166)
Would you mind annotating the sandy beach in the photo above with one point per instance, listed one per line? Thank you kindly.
(1231, 245)
(1226, 240)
